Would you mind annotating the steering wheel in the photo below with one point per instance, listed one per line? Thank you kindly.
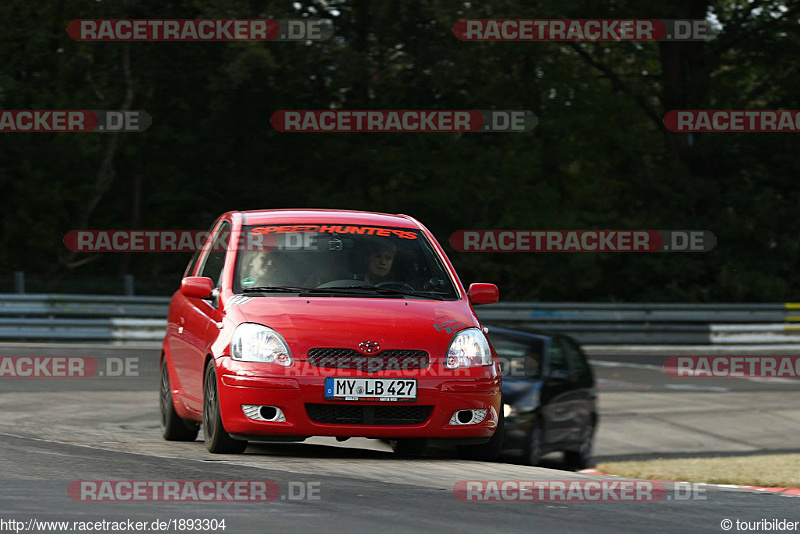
(393, 284)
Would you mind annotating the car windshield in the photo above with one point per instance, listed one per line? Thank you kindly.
(339, 260)
(519, 358)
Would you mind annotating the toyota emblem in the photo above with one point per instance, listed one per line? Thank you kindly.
(369, 347)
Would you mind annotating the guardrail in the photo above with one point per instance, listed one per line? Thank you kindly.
(94, 318)
(123, 319)
(82, 305)
(627, 324)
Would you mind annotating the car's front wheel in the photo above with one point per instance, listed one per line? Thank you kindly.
(173, 428)
(489, 451)
(534, 447)
(216, 438)
(582, 458)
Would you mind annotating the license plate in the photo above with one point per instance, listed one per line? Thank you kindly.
(382, 389)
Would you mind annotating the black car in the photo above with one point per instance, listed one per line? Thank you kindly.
(549, 396)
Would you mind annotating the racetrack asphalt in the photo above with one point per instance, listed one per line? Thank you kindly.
(54, 431)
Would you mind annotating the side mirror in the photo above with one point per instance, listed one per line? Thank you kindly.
(483, 293)
(198, 287)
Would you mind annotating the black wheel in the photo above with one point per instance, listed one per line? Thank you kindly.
(582, 458)
(534, 447)
(489, 451)
(216, 438)
(412, 447)
(173, 428)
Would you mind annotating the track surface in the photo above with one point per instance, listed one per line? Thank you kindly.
(54, 431)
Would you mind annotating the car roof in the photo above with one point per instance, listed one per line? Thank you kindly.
(327, 216)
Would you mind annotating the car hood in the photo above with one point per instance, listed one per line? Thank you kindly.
(334, 322)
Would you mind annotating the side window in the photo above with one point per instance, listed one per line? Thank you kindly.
(215, 258)
(558, 360)
(577, 359)
(190, 267)
(195, 257)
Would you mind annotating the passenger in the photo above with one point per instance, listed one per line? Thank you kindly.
(259, 269)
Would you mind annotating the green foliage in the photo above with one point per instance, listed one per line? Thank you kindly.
(599, 158)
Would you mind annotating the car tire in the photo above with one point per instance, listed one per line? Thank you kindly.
(173, 428)
(217, 440)
(582, 458)
(489, 451)
(411, 447)
(534, 447)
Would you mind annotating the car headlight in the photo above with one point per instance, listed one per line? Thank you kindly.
(257, 343)
(469, 348)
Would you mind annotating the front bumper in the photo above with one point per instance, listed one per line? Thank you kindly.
(292, 388)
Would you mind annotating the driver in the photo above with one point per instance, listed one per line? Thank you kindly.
(380, 259)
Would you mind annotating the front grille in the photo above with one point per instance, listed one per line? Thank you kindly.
(348, 414)
(387, 360)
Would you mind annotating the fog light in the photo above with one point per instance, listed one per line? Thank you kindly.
(268, 412)
(468, 417)
(256, 412)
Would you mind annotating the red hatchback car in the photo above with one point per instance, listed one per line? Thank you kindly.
(298, 323)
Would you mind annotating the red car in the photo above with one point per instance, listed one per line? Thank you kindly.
(298, 323)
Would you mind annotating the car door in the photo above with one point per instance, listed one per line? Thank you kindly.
(556, 397)
(201, 314)
(177, 345)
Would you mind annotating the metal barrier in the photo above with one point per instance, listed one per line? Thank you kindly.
(628, 324)
(81, 305)
(32, 317)
(94, 318)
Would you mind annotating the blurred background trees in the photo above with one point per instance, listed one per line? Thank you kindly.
(599, 158)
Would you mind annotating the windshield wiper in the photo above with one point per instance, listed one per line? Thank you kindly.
(354, 291)
(423, 294)
(343, 290)
(385, 291)
(274, 289)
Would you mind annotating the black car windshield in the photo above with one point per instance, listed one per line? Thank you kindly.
(339, 260)
(518, 357)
